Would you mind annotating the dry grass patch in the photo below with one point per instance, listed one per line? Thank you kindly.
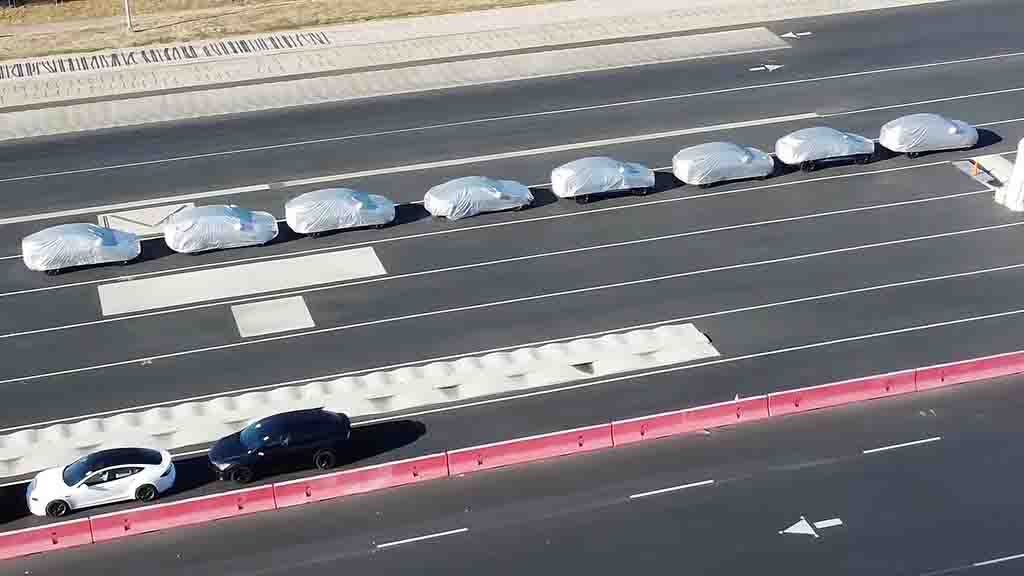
(40, 28)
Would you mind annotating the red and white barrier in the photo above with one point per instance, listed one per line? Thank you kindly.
(45, 538)
(182, 513)
(529, 449)
(836, 393)
(359, 480)
(970, 370)
(689, 420)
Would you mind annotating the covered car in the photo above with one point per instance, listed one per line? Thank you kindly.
(597, 175)
(917, 133)
(216, 227)
(809, 146)
(69, 245)
(706, 164)
(472, 195)
(335, 209)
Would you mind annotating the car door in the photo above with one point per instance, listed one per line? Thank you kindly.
(109, 485)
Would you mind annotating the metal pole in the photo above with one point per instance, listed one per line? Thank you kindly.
(128, 14)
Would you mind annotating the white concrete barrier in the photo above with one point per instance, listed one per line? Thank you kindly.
(1011, 175)
(194, 423)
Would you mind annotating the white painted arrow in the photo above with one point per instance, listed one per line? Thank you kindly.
(796, 34)
(767, 67)
(804, 527)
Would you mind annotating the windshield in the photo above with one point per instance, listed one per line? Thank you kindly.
(77, 471)
(257, 434)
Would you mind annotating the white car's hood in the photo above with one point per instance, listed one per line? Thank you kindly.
(48, 484)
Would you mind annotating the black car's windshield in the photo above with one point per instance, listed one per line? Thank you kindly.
(76, 472)
(258, 434)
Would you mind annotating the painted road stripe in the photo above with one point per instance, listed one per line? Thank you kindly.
(619, 104)
(241, 280)
(829, 523)
(904, 445)
(998, 560)
(421, 538)
(671, 489)
(272, 316)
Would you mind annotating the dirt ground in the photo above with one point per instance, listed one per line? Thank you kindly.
(41, 27)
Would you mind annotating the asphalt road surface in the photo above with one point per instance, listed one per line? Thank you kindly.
(799, 280)
(918, 485)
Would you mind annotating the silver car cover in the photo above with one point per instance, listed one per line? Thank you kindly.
(926, 132)
(217, 227)
(69, 245)
(720, 161)
(472, 195)
(335, 209)
(819, 143)
(598, 174)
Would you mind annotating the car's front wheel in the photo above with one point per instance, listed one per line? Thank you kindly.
(913, 154)
(325, 459)
(583, 199)
(808, 165)
(241, 475)
(146, 493)
(57, 509)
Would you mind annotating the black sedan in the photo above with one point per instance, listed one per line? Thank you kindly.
(283, 441)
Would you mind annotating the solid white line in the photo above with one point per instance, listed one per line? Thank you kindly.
(499, 303)
(547, 150)
(619, 104)
(998, 560)
(1010, 121)
(672, 489)
(904, 445)
(11, 257)
(920, 102)
(462, 267)
(419, 538)
(135, 204)
(478, 227)
(718, 313)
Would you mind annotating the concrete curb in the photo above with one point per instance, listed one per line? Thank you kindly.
(461, 461)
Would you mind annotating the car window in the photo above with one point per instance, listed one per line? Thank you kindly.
(263, 433)
(118, 473)
(98, 478)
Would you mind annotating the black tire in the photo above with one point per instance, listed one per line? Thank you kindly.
(583, 199)
(641, 191)
(913, 154)
(808, 165)
(146, 493)
(241, 475)
(381, 226)
(704, 186)
(52, 272)
(315, 234)
(57, 509)
(325, 459)
(864, 159)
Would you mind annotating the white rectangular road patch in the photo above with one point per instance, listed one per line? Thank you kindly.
(144, 221)
(240, 280)
(272, 316)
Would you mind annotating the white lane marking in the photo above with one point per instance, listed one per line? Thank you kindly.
(623, 103)
(239, 280)
(829, 523)
(548, 150)
(272, 316)
(134, 204)
(998, 560)
(921, 102)
(1010, 121)
(419, 538)
(145, 290)
(766, 68)
(411, 167)
(11, 257)
(671, 489)
(336, 375)
(493, 304)
(478, 227)
(904, 445)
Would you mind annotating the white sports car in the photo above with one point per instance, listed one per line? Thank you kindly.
(68, 245)
(597, 175)
(204, 228)
(102, 477)
(810, 146)
(706, 164)
(472, 195)
(337, 208)
(919, 133)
